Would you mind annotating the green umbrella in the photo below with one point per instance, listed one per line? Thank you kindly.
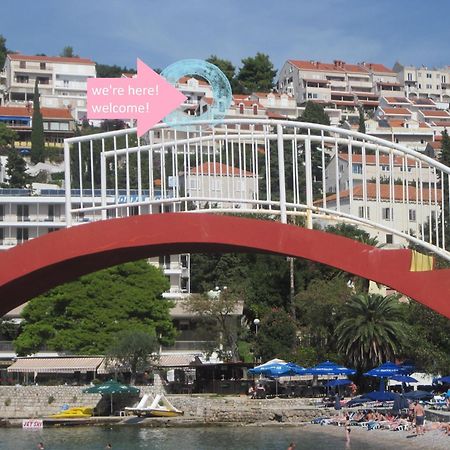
(112, 387)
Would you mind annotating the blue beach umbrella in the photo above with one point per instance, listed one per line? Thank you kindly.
(380, 396)
(330, 368)
(333, 383)
(443, 379)
(403, 379)
(277, 368)
(386, 370)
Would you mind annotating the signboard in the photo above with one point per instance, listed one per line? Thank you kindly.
(33, 424)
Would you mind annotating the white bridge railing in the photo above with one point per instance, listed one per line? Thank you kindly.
(268, 167)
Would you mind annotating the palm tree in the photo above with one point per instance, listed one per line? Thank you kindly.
(371, 331)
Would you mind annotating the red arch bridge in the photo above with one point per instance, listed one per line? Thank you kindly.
(158, 195)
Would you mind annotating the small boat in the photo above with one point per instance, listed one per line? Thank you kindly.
(160, 407)
(74, 413)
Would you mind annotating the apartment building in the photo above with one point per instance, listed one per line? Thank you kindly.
(29, 213)
(345, 86)
(58, 124)
(378, 205)
(62, 81)
(424, 82)
(229, 185)
(370, 168)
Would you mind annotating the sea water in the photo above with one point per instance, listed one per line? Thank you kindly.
(193, 438)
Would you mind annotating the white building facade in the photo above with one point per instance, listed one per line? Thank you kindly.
(62, 81)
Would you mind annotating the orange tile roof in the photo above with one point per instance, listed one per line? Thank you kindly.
(396, 111)
(247, 103)
(442, 123)
(219, 170)
(396, 123)
(413, 193)
(377, 68)
(434, 113)
(401, 100)
(266, 94)
(275, 115)
(47, 113)
(55, 59)
(186, 79)
(383, 159)
(337, 66)
(435, 144)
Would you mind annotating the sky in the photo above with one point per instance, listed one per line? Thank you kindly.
(161, 32)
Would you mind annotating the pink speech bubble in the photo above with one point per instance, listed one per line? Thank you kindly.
(147, 98)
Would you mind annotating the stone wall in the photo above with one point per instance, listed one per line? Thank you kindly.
(41, 401)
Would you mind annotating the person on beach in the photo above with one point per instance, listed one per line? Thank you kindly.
(419, 415)
(40, 446)
(108, 446)
(291, 446)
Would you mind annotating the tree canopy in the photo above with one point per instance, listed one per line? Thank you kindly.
(132, 351)
(84, 316)
(68, 52)
(225, 66)
(3, 50)
(37, 130)
(16, 170)
(445, 149)
(7, 136)
(371, 331)
(257, 73)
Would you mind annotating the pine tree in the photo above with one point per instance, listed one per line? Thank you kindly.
(37, 131)
(362, 121)
(445, 149)
(15, 169)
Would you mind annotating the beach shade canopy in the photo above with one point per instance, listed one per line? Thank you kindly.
(112, 387)
(443, 379)
(277, 368)
(333, 383)
(419, 395)
(380, 396)
(386, 370)
(400, 402)
(330, 368)
(403, 379)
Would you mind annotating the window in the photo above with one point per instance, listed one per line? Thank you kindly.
(412, 215)
(387, 214)
(357, 168)
(43, 80)
(389, 239)
(42, 66)
(429, 86)
(429, 75)
(2, 212)
(51, 213)
(22, 64)
(21, 235)
(444, 79)
(2, 235)
(255, 110)
(22, 79)
(241, 108)
(193, 183)
(385, 168)
(420, 86)
(409, 76)
(361, 212)
(134, 210)
(23, 213)
(215, 184)
(51, 230)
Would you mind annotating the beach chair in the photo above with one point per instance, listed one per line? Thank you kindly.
(141, 404)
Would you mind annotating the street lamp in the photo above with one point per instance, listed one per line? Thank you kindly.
(256, 323)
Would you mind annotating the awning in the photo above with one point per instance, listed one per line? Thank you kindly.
(175, 360)
(56, 365)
